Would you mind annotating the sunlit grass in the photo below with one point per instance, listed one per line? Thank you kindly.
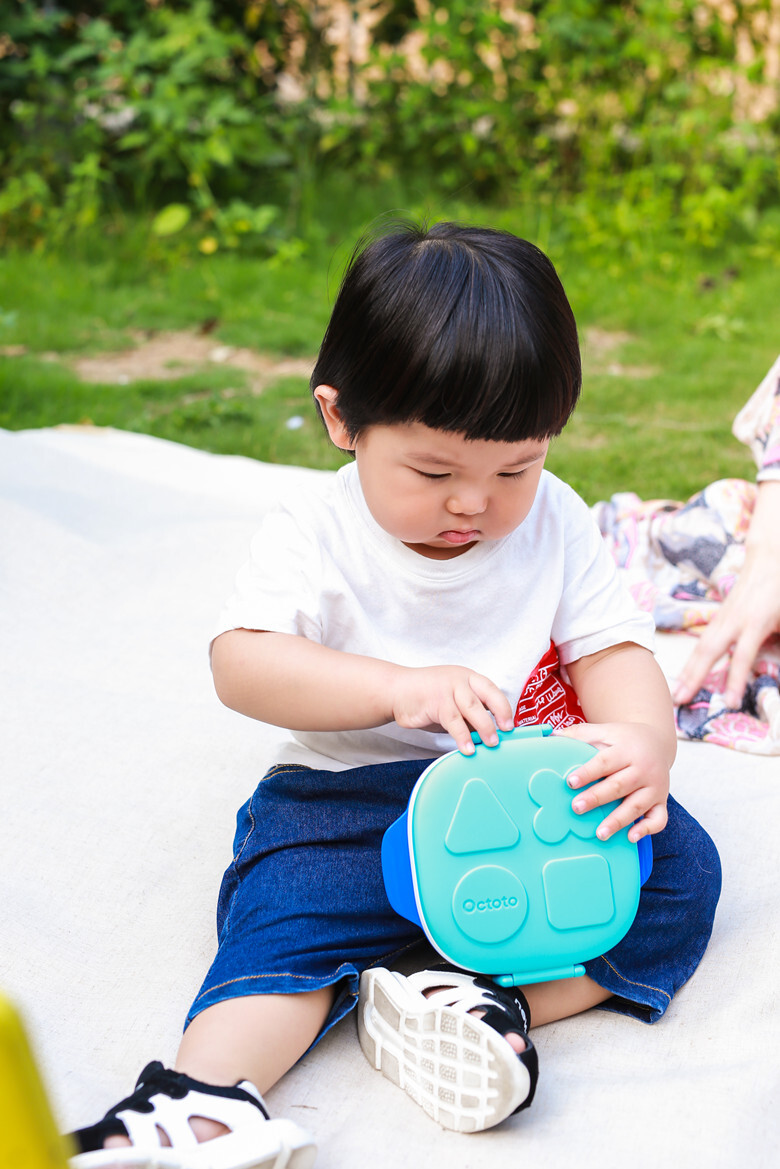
(674, 340)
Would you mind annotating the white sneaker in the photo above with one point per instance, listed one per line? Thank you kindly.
(164, 1102)
(458, 1068)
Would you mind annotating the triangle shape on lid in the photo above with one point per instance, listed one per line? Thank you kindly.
(480, 822)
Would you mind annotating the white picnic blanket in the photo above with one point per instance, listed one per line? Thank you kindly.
(121, 774)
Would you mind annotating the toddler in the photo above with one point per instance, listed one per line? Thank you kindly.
(441, 583)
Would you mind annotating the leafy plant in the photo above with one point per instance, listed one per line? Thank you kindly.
(168, 111)
(645, 109)
(630, 114)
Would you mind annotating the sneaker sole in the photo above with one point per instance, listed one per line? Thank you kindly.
(460, 1071)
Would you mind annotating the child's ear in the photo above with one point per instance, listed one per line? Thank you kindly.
(328, 400)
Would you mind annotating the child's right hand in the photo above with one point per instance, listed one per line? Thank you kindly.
(289, 681)
(450, 698)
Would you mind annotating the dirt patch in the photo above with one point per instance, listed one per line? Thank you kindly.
(169, 355)
(599, 348)
(174, 354)
(602, 341)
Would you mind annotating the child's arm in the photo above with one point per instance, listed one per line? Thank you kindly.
(292, 682)
(628, 706)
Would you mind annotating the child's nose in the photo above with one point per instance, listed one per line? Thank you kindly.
(467, 503)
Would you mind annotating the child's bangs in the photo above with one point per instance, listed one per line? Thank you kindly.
(477, 360)
(463, 329)
(490, 383)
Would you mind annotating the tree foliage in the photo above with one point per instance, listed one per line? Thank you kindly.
(222, 116)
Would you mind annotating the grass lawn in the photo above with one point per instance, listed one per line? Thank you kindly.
(673, 342)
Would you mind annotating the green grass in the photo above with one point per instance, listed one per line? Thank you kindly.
(73, 303)
(701, 329)
(214, 410)
(706, 336)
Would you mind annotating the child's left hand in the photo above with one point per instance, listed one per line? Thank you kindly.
(631, 764)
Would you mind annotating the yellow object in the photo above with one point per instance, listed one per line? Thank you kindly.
(29, 1138)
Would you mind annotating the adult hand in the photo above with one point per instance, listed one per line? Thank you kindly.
(751, 611)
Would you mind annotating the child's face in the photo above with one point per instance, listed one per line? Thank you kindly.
(439, 492)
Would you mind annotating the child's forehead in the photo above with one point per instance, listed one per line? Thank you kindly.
(452, 448)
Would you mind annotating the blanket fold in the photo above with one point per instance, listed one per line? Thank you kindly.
(680, 561)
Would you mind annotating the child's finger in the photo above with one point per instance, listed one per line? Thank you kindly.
(460, 731)
(612, 787)
(585, 732)
(479, 719)
(633, 807)
(653, 821)
(469, 714)
(608, 761)
(596, 735)
(633, 813)
(595, 768)
(479, 703)
(494, 699)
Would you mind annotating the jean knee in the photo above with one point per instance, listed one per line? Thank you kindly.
(694, 854)
(710, 874)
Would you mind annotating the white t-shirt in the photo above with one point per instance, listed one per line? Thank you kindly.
(321, 567)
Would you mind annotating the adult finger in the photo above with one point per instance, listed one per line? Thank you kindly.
(742, 659)
(712, 644)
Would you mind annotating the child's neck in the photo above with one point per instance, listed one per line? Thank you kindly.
(438, 553)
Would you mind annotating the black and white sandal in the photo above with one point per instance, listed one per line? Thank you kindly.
(458, 1068)
(162, 1106)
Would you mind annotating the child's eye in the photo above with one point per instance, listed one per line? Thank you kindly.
(431, 474)
(512, 474)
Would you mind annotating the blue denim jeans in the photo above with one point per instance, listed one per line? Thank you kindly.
(303, 903)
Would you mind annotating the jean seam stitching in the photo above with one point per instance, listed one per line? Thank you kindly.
(276, 975)
(633, 982)
(305, 977)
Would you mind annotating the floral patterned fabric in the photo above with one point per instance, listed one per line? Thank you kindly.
(680, 561)
(758, 425)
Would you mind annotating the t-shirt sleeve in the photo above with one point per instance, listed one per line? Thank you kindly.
(277, 589)
(758, 425)
(596, 610)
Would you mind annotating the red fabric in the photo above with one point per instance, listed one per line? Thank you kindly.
(547, 698)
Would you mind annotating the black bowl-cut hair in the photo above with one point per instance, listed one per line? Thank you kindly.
(464, 329)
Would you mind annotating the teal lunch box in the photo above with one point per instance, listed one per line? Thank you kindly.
(502, 876)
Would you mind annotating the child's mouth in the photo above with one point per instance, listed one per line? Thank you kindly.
(455, 537)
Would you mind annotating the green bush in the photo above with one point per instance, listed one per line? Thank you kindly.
(163, 109)
(642, 107)
(226, 116)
